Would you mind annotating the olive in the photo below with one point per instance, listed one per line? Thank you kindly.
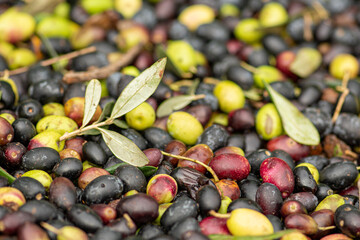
(283, 156)
(347, 220)
(175, 147)
(208, 199)
(268, 196)
(200, 152)
(274, 44)
(291, 207)
(249, 188)
(30, 109)
(214, 136)
(106, 212)
(323, 191)
(41, 158)
(132, 178)
(106, 233)
(345, 126)
(308, 199)
(136, 137)
(84, 217)
(304, 181)
(339, 175)
(7, 95)
(256, 158)
(316, 160)
(240, 76)
(141, 117)
(12, 154)
(11, 222)
(157, 138)
(123, 226)
(182, 227)
(302, 222)
(82, 63)
(28, 230)
(103, 189)
(70, 168)
(42, 210)
(93, 153)
(62, 193)
(244, 203)
(46, 91)
(30, 187)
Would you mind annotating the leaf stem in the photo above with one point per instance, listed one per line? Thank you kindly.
(5, 174)
(84, 129)
(49, 227)
(216, 179)
(248, 67)
(219, 215)
(326, 228)
(341, 101)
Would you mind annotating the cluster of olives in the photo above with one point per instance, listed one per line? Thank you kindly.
(223, 164)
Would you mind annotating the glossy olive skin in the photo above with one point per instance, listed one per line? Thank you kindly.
(323, 191)
(175, 147)
(200, 152)
(181, 209)
(347, 220)
(132, 178)
(93, 153)
(149, 231)
(268, 196)
(123, 226)
(84, 217)
(106, 212)
(30, 109)
(249, 188)
(181, 227)
(292, 206)
(157, 138)
(304, 181)
(230, 165)
(285, 143)
(140, 207)
(103, 189)
(42, 210)
(90, 174)
(106, 233)
(41, 158)
(24, 130)
(302, 222)
(318, 161)
(324, 218)
(6, 132)
(30, 188)
(339, 175)
(256, 158)
(12, 154)
(308, 199)
(70, 168)
(62, 193)
(208, 199)
(214, 136)
(244, 203)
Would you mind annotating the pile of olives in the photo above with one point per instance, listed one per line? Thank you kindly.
(221, 164)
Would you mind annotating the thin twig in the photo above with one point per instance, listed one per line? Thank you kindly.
(104, 72)
(345, 92)
(219, 215)
(216, 179)
(248, 67)
(50, 61)
(308, 36)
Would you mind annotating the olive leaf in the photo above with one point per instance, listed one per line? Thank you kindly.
(175, 103)
(148, 171)
(92, 99)
(123, 148)
(106, 111)
(139, 89)
(276, 235)
(307, 60)
(112, 168)
(295, 124)
(121, 123)
(193, 87)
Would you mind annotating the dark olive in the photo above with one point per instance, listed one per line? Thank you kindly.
(38, 73)
(150, 231)
(136, 137)
(70, 168)
(74, 90)
(84, 217)
(309, 96)
(201, 112)
(103, 189)
(30, 109)
(111, 84)
(106, 149)
(249, 188)
(94, 153)
(317, 160)
(323, 218)
(12, 154)
(41, 158)
(30, 187)
(283, 156)
(6, 132)
(132, 178)
(304, 181)
(140, 207)
(29, 229)
(244, 203)
(181, 227)
(256, 158)
(46, 91)
(278, 225)
(323, 191)
(214, 136)
(320, 119)
(302, 222)
(157, 138)
(7, 98)
(3, 63)
(339, 175)
(106, 233)
(57, 224)
(308, 199)
(42, 210)
(175, 147)
(240, 76)
(269, 198)
(123, 226)
(346, 127)
(60, 45)
(154, 155)
(347, 219)
(241, 119)
(83, 62)
(13, 220)
(213, 31)
(62, 193)
(291, 207)
(274, 44)
(182, 208)
(208, 198)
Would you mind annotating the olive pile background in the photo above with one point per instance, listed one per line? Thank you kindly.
(219, 53)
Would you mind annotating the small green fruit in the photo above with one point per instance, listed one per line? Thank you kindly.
(96, 6)
(182, 55)
(21, 57)
(273, 14)
(60, 124)
(331, 202)
(54, 26)
(130, 70)
(248, 222)
(247, 30)
(47, 138)
(54, 109)
(230, 96)
(267, 73)
(71, 232)
(268, 122)
(184, 127)
(343, 63)
(141, 117)
(128, 8)
(43, 177)
(195, 15)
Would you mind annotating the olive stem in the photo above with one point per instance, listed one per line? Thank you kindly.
(5, 174)
(82, 130)
(326, 228)
(50, 228)
(129, 221)
(219, 215)
(51, 61)
(103, 72)
(200, 96)
(307, 27)
(248, 67)
(216, 179)
(345, 92)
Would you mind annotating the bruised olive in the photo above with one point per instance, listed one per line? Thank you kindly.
(181, 209)
(12, 154)
(208, 199)
(41, 158)
(84, 217)
(339, 175)
(70, 168)
(42, 210)
(140, 207)
(62, 193)
(103, 189)
(347, 219)
(132, 177)
(30, 187)
(268, 196)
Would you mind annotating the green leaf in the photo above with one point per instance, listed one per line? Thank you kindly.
(123, 148)
(148, 171)
(276, 235)
(121, 123)
(5, 174)
(173, 104)
(161, 53)
(193, 87)
(139, 89)
(106, 111)
(91, 132)
(295, 124)
(92, 99)
(112, 169)
(307, 60)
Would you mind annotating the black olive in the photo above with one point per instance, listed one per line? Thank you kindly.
(308, 199)
(244, 203)
(41, 158)
(256, 158)
(276, 222)
(323, 191)
(150, 231)
(269, 198)
(106, 233)
(46, 91)
(74, 90)
(38, 73)
(136, 137)
(339, 175)
(132, 177)
(31, 188)
(213, 31)
(42, 210)
(96, 59)
(304, 181)
(157, 137)
(274, 44)
(248, 189)
(94, 153)
(30, 109)
(320, 119)
(214, 136)
(347, 219)
(70, 168)
(208, 198)
(317, 160)
(240, 76)
(7, 98)
(85, 218)
(181, 227)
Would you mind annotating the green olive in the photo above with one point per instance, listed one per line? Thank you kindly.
(54, 26)
(21, 57)
(247, 30)
(60, 124)
(141, 117)
(182, 55)
(230, 96)
(343, 63)
(43, 177)
(194, 16)
(95, 6)
(268, 122)
(273, 14)
(267, 73)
